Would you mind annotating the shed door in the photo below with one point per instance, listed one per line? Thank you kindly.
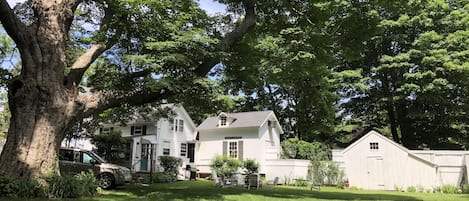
(375, 172)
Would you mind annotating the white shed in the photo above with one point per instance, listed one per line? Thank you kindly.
(376, 162)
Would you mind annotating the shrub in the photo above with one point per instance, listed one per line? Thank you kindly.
(26, 188)
(5, 187)
(161, 177)
(420, 189)
(170, 165)
(69, 186)
(251, 166)
(340, 184)
(450, 189)
(20, 188)
(411, 189)
(301, 182)
(225, 166)
(465, 189)
(398, 188)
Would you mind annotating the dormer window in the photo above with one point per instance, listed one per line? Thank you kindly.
(223, 121)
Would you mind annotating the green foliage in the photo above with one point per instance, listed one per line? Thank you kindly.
(299, 149)
(325, 172)
(20, 188)
(110, 145)
(398, 188)
(171, 166)
(54, 186)
(465, 189)
(250, 166)
(416, 76)
(340, 184)
(411, 189)
(71, 186)
(301, 182)
(162, 177)
(450, 189)
(225, 166)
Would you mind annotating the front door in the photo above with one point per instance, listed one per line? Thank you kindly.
(144, 157)
(191, 149)
(375, 172)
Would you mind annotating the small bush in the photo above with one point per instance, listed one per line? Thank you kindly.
(5, 187)
(465, 189)
(161, 177)
(398, 188)
(225, 166)
(341, 184)
(251, 166)
(411, 189)
(69, 186)
(437, 189)
(170, 165)
(20, 188)
(301, 182)
(450, 189)
(27, 188)
(420, 189)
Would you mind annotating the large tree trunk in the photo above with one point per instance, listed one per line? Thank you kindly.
(41, 107)
(36, 131)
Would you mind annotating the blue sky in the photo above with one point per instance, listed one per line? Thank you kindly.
(212, 7)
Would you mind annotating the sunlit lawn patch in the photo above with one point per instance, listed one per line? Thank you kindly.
(205, 190)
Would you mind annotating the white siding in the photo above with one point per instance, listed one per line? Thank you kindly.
(393, 166)
(286, 170)
(210, 145)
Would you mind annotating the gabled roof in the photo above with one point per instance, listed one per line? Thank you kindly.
(373, 132)
(139, 118)
(240, 120)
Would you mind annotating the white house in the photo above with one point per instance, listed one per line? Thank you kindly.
(246, 135)
(376, 162)
(150, 139)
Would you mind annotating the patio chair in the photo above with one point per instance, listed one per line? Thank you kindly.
(254, 181)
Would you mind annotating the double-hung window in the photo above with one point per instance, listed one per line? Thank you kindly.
(183, 149)
(177, 125)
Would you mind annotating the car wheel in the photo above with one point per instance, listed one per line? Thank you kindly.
(106, 181)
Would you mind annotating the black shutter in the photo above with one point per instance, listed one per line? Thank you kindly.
(132, 130)
(111, 129)
(225, 148)
(240, 150)
(144, 132)
(100, 130)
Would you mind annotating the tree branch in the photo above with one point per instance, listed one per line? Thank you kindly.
(82, 64)
(13, 26)
(231, 38)
(102, 100)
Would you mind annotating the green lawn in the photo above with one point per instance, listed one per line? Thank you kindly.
(205, 190)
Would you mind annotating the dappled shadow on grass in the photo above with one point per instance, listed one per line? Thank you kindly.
(205, 190)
